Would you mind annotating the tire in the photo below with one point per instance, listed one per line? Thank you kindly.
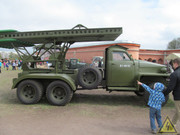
(29, 91)
(147, 80)
(59, 93)
(89, 77)
(146, 95)
(139, 93)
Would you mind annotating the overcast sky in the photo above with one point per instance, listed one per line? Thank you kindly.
(150, 23)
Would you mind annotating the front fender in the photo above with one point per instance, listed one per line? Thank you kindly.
(154, 74)
(153, 77)
(63, 77)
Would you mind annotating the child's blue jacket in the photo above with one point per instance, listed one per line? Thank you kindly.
(156, 97)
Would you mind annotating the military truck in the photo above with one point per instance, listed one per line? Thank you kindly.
(119, 72)
(74, 63)
(97, 61)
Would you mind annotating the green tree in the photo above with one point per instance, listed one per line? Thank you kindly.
(13, 56)
(174, 44)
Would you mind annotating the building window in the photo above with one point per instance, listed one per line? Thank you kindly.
(150, 60)
(160, 61)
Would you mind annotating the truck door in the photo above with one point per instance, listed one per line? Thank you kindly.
(120, 70)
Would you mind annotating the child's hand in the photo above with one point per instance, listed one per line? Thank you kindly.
(139, 82)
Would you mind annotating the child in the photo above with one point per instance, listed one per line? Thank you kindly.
(7, 65)
(0, 65)
(156, 98)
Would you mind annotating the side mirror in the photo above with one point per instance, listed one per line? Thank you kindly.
(130, 55)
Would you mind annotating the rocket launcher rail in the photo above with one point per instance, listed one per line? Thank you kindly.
(77, 34)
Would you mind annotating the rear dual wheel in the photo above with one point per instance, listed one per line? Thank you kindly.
(59, 93)
(29, 91)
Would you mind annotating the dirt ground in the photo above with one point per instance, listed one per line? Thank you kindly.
(94, 112)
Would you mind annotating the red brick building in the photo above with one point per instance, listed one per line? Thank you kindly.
(158, 55)
(86, 53)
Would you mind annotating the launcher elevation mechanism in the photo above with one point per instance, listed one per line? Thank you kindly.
(56, 42)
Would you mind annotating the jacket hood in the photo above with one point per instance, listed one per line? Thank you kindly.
(159, 86)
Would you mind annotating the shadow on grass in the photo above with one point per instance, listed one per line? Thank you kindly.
(91, 99)
(113, 100)
(104, 99)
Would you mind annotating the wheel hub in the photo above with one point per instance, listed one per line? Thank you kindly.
(59, 93)
(29, 92)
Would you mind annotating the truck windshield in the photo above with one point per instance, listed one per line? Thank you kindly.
(119, 56)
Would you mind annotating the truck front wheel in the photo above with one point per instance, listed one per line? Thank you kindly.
(29, 91)
(139, 93)
(59, 93)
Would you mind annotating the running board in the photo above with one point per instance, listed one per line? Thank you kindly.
(122, 88)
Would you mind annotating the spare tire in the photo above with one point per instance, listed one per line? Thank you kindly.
(89, 77)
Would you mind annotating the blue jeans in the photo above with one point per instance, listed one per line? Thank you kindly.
(154, 113)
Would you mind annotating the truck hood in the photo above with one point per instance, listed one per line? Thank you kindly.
(144, 64)
(146, 67)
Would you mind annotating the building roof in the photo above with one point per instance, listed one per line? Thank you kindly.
(77, 45)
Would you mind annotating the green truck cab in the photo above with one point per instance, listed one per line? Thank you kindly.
(121, 72)
(58, 82)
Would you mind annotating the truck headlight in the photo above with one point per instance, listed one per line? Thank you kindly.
(164, 69)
